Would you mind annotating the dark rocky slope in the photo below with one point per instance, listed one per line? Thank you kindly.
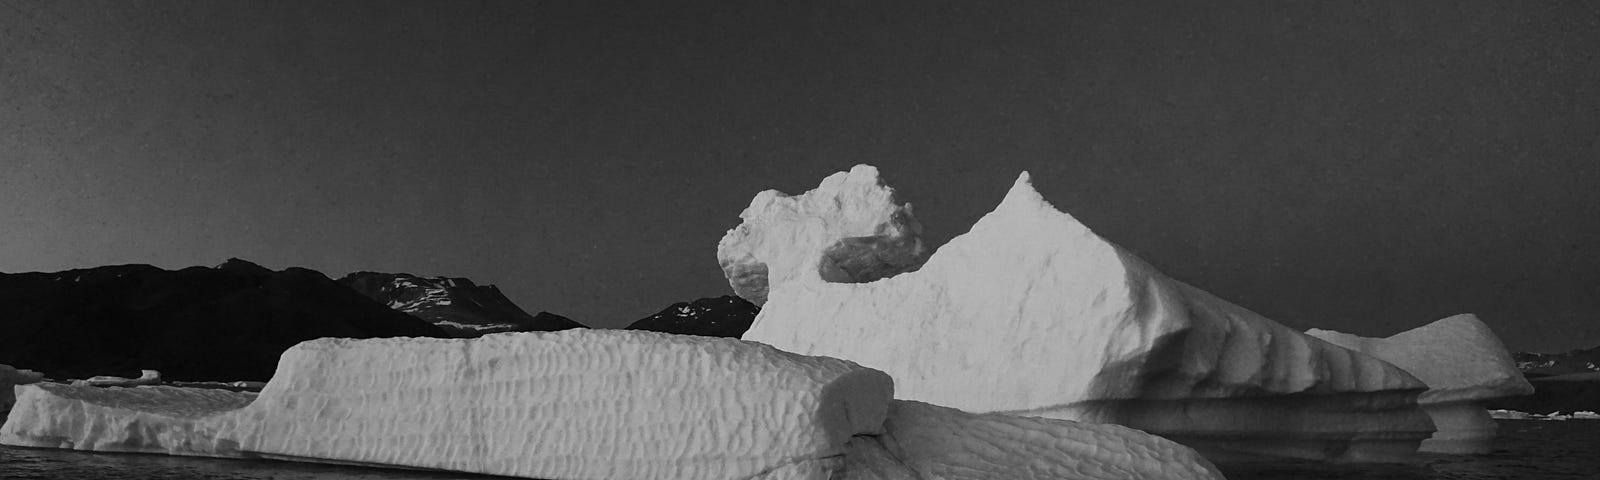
(230, 322)
(725, 316)
(1562, 382)
(456, 305)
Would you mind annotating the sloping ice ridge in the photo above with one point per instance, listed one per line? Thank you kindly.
(1464, 365)
(1033, 313)
(569, 405)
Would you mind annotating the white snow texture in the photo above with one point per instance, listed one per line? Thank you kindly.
(576, 404)
(1032, 313)
(848, 230)
(1464, 365)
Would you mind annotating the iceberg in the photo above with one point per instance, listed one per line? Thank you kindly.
(141, 419)
(1464, 365)
(587, 404)
(1032, 313)
(561, 405)
(847, 230)
(925, 441)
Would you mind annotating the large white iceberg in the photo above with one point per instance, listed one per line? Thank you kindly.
(1032, 313)
(1464, 365)
(566, 405)
(589, 405)
(927, 442)
(849, 229)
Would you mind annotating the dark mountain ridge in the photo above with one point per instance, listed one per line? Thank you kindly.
(725, 316)
(456, 305)
(229, 322)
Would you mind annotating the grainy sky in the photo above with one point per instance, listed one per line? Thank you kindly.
(1367, 167)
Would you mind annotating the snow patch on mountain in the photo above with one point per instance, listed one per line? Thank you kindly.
(457, 305)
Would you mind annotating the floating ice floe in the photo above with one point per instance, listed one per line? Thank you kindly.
(1032, 313)
(1464, 365)
(1500, 414)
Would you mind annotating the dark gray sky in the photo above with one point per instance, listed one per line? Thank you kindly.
(1362, 166)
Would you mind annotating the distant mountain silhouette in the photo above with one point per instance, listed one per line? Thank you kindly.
(1562, 382)
(1547, 364)
(725, 316)
(456, 305)
(230, 322)
(1574, 392)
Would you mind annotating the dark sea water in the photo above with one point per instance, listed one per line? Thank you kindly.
(1526, 450)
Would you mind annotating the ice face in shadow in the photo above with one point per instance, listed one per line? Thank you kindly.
(565, 405)
(1464, 365)
(923, 441)
(1032, 313)
(10, 377)
(848, 230)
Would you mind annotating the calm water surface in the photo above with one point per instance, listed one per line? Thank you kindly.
(1526, 450)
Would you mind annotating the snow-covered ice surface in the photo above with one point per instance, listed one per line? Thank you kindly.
(1464, 365)
(561, 405)
(849, 229)
(1032, 313)
(927, 442)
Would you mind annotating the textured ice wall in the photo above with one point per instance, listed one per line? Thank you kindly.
(1031, 312)
(564, 405)
(849, 230)
(1464, 365)
(150, 419)
(925, 441)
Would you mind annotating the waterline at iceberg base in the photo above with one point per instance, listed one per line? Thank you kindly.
(1465, 367)
(586, 404)
(1031, 312)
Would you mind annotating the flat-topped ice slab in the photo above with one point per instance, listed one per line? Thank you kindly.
(1464, 365)
(1033, 313)
(563, 405)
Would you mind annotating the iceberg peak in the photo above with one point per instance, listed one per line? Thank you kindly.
(1032, 313)
(1023, 194)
